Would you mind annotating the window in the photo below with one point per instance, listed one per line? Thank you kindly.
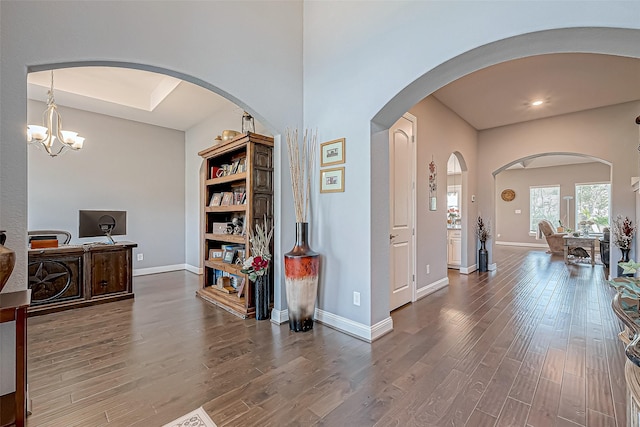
(544, 203)
(592, 205)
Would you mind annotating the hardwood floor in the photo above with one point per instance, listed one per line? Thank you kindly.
(532, 344)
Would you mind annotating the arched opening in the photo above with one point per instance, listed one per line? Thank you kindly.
(456, 211)
(571, 191)
(482, 196)
(164, 198)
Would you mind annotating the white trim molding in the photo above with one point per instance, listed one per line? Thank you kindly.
(279, 317)
(156, 270)
(493, 267)
(468, 270)
(526, 245)
(432, 287)
(194, 269)
(355, 329)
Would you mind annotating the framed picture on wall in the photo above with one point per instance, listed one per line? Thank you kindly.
(332, 180)
(332, 152)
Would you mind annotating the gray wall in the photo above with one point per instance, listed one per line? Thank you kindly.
(514, 228)
(124, 165)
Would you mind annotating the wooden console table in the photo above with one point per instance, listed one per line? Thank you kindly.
(13, 307)
(73, 276)
(579, 242)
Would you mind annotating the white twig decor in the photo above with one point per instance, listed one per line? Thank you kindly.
(301, 162)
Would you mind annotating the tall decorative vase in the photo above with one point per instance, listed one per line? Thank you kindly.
(7, 261)
(262, 297)
(625, 258)
(301, 267)
(483, 257)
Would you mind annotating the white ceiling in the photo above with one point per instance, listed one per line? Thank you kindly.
(130, 94)
(495, 96)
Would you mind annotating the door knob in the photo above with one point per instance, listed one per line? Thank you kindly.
(391, 236)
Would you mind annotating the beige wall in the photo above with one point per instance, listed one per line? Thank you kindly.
(512, 227)
(440, 133)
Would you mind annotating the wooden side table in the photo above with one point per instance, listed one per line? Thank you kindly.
(13, 307)
(581, 241)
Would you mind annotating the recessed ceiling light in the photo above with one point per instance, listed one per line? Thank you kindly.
(537, 103)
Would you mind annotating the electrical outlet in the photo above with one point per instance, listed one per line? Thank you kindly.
(356, 298)
(140, 257)
(428, 268)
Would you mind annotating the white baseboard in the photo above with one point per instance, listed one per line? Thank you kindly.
(156, 270)
(355, 329)
(279, 316)
(468, 270)
(523, 244)
(431, 288)
(193, 269)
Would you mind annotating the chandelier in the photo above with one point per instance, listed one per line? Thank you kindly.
(51, 136)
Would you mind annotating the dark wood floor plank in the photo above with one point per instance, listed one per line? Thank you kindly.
(573, 402)
(496, 393)
(544, 408)
(514, 414)
(525, 383)
(533, 343)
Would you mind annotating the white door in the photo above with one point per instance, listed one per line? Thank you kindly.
(401, 230)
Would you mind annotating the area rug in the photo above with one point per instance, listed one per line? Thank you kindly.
(197, 418)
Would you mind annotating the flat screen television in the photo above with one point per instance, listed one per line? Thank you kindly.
(102, 223)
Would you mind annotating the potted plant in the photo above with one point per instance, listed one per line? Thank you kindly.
(483, 233)
(623, 232)
(257, 266)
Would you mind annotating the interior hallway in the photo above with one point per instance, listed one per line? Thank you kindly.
(533, 343)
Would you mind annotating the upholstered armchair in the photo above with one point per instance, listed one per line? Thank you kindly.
(554, 240)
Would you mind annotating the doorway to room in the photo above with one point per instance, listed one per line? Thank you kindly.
(455, 232)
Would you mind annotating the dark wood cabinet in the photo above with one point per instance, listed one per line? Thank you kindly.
(110, 272)
(79, 275)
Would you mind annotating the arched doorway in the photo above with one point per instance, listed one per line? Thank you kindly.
(570, 190)
(504, 50)
(178, 245)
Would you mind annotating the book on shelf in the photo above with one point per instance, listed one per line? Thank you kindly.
(242, 165)
(234, 167)
(238, 197)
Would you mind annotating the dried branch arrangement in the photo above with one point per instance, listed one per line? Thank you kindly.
(301, 162)
(261, 239)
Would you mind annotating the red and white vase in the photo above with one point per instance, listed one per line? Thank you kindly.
(301, 268)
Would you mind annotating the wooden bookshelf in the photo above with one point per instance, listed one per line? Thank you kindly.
(253, 154)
